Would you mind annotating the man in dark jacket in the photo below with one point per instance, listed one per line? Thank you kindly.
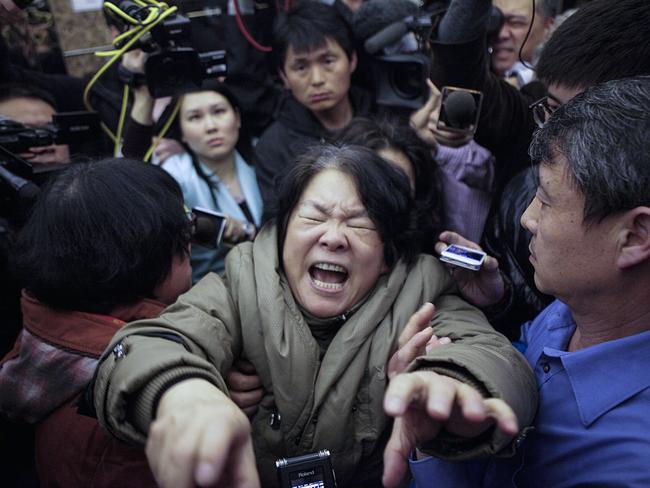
(314, 55)
(602, 41)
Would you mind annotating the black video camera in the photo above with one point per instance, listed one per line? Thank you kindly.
(400, 79)
(307, 471)
(19, 179)
(66, 128)
(173, 65)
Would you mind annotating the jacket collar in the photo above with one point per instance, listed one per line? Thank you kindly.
(605, 375)
(299, 118)
(86, 333)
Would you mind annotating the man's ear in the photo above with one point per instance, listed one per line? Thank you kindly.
(353, 61)
(549, 22)
(283, 77)
(634, 238)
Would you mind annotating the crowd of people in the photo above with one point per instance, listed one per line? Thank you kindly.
(322, 319)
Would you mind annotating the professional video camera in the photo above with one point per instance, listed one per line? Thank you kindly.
(173, 64)
(19, 179)
(400, 71)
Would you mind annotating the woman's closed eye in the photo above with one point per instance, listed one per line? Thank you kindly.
(311, 219)
(362, 224)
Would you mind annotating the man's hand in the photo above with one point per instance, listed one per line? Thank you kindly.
(244, 386)
(425, 123)
(201, 438)
(481, 288)
(416, 339)
(134, 60)
(423, 402)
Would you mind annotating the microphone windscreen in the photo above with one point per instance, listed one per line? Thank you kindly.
(374, 15)
(460, 109)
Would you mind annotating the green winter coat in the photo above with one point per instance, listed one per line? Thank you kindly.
(333, 404)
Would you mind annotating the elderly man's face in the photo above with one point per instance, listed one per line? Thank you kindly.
(332, 253)
(35, 113)
(506, 45)
(571, 259)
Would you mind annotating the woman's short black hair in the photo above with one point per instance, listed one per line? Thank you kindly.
(384, 191)
(393, 133)
(102, 234)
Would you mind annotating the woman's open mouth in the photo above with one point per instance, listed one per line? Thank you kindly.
(328, 276)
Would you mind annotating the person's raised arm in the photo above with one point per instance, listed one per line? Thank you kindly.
(200, 438)
(424, 404)
(462, 389)
(139, 129)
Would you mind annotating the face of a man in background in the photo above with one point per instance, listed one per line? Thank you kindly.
(34, 112)
(319, 79)
(508, 42)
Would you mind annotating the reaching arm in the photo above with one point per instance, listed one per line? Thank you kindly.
(454, 394)
(197, 337)
(200, 437)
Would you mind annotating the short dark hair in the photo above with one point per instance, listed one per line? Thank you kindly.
(306, 27)
(10, 91)
(602, 41)
(393, 133)
(384, 191)
(603, 135)
(102, 234)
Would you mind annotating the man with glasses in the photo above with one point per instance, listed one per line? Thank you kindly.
(602, 41)
(589, 349)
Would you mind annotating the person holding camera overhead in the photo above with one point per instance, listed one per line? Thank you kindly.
(212, 173)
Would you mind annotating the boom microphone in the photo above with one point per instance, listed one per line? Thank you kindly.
(374, 15)
(385, 37)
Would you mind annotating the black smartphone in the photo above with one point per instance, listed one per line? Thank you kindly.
(307, 471)
(460, 109)
(207, 227)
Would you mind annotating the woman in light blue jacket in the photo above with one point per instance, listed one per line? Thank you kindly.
(211, 172)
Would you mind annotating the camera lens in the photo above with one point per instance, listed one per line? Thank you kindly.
(407, 80)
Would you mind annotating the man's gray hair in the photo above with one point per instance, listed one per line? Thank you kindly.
(604, 135)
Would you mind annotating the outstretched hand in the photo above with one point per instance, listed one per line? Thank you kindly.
(481, 288)
(416, 339)
(422, 403)
(200, 438)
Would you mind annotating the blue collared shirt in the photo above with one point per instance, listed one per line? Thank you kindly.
(593, 423)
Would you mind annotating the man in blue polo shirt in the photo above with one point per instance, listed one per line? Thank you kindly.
(590, 349)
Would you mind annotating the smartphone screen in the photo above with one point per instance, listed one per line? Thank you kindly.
(463, 256)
